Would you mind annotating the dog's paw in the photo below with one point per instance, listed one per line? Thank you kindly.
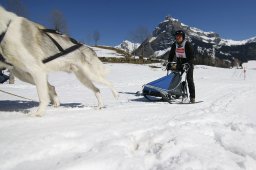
(115, 94)
(36, 114)
(100, 107)
(55, 102)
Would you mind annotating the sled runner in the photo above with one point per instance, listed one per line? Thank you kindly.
(170, 87)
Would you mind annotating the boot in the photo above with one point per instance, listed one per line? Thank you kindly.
(192, 100)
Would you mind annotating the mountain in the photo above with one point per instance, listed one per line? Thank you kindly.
(233, 42)
(209, 47)
(128, 46)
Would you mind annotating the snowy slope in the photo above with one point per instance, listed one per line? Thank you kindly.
(131, 133)
(101, 52)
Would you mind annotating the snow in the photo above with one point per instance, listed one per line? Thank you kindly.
(197, 30)
(234, 42)
(169, 18)
(106, 52)
(152, 39)
(132, 133)
(161, 52)
(128, 46)
(227, 54)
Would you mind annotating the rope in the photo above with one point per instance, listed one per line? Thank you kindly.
(15, 95)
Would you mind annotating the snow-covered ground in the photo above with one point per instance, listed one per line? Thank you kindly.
(132, 133)
(106, 52)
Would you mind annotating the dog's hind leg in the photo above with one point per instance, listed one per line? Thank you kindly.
(88, 83)
(109, 85)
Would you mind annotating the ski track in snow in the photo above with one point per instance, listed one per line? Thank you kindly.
(131, 133)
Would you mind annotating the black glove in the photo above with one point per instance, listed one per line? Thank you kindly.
(168, 66)
(171, 66)
(185, 66)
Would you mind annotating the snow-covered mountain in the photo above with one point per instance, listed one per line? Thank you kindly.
(128, 46)
(229, 42)
(205, 43)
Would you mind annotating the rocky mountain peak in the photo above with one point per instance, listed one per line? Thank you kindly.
(204, 43)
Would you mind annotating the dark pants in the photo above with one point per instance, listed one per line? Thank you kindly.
(190, 78)
(191, 85)
(3, 77)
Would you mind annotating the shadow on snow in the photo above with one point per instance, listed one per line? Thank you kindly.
(25, 106)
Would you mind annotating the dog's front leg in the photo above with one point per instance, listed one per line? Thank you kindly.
(40, 79)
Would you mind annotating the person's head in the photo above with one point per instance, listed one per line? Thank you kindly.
(179, 36)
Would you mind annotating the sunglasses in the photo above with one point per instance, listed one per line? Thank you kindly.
(178, 35)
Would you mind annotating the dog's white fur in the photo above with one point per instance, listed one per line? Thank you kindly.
(25, 46)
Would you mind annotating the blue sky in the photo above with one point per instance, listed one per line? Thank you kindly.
(116, 19)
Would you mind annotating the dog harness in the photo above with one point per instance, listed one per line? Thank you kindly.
(62, 51)
(50, 58)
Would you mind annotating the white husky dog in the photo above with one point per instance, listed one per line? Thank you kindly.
(23, 47)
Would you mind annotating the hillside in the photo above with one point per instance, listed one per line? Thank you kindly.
(117, 55)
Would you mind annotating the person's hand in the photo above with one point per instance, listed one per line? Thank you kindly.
(171, 66)
(168, 66)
